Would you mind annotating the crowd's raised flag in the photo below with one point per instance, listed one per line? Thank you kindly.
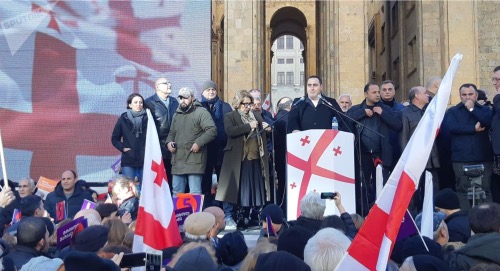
(372, 246)
(156, 223)
(266, 105)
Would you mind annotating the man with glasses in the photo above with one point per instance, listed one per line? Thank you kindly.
(162, 108)
(192, 129)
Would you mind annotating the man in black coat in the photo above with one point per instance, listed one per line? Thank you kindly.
(279, 133)
(468, 123)
(315, 111)
(373, 142)
(163, 108)
(495, 135)
(70, 192)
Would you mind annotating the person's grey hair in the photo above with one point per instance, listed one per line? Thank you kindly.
(408, 265)
(312, 206)
(285, 105)
(435, 234)
(431, 81)
(345, 95)
(31, 182)
(195, 238)
(412, 93)
(256, 93)
(325, 249)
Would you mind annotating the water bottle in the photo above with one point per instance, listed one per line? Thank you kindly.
(335, 124)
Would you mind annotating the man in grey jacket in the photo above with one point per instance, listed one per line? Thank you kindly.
(192, 129)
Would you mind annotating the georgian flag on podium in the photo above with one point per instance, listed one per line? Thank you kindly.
(320, 161)
(156, 223)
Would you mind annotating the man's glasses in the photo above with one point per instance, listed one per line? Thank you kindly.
(164, 83)
(246, 104)
(495, 80)
(183, 98)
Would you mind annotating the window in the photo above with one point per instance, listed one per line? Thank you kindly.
(394, 19)
(412, 55)
(289, 78)
(289, 42)
(301, 46)
(281, 42)
(301, 78)
(382, 39)
(395, 72)
(281, 61)
(281, 78)
(289, 61)
(301, 60)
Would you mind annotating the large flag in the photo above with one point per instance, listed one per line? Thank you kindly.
(266, 105)
(86, 57)
(156, 224)
(372, 246)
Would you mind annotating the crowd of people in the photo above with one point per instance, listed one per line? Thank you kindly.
(235, 155)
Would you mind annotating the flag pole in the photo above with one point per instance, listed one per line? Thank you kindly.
(419, 234)
(4, 168)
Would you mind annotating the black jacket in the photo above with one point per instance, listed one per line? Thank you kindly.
(123, 137)
(388, 121)
(19, 257)
(467, 145)
(130, 205)
(458, 227)
(163, 119)
(304, 116)
(495, 125)
(313, 225)
(72, 205)
(481, 248)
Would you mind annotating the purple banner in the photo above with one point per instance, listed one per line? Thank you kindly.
(407, 228)
(181, 214)
(66, 233)
(184, 200)
(116, 166)
(87, 204)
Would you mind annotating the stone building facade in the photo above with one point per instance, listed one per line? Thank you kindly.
(349, 43)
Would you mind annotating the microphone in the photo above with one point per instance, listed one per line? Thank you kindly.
(325, 101)
(298, 101)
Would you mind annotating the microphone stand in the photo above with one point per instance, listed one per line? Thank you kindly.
(276, 120)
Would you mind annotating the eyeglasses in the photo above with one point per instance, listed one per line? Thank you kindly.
(246, 104)
(164, 83)
(495, 80)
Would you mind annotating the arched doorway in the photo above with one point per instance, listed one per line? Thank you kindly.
(287, 60)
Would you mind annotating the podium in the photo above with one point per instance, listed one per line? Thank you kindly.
(320, 161)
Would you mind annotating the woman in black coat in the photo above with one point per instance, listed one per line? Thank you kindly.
(129, 137)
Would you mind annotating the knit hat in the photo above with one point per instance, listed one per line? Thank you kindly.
(280, 260)
(294, 240)
(447, 199)
(437, 217)
(42, 263)
(274, 211)
(83, 261)
(91, 239)
(232, 248)
(185, 92)
(199, 223)
(106, 209)
(196, 259)
(208, 84)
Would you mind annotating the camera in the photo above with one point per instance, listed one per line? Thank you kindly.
(328, 195)
(473, 171)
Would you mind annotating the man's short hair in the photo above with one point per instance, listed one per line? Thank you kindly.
(468, 85)
(317, 77)
(29, 204)
(286, 104)
(497, 68)
(312, 206)
(388, 82)
(412, 93)
(30, 231)
(30, 181)
(485, 218)
(367, 86)
(257, 93)
(325, 249)
(345, 95)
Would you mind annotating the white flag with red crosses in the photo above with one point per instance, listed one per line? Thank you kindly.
(321, 161)
(267, 104)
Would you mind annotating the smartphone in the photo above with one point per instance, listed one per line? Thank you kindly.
(328, 195)
(154, 260)
(133, 260)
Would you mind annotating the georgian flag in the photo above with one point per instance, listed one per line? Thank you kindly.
(156, 224)
(372, 246)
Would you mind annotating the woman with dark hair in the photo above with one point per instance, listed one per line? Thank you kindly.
(129, 137)
(244, 178)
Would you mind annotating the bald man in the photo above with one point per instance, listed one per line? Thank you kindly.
(162, 108)
(220, 223)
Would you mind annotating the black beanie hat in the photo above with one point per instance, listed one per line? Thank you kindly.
(278, 261)
(447, 199)
(232, 248)
(274, 211)
(91, 239)
(294, 240)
